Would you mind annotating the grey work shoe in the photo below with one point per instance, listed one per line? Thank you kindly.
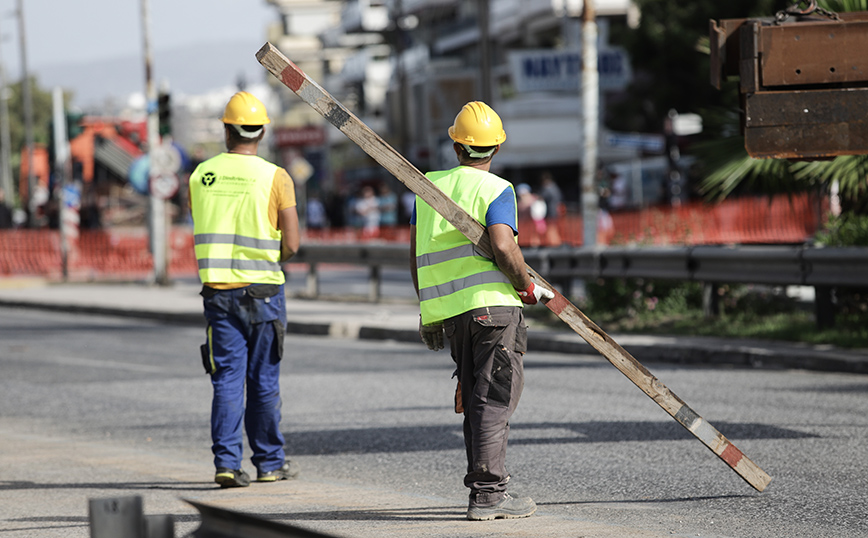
(508, 507)
(229, 478)
(289, 471)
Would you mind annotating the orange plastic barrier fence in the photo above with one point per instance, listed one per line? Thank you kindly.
(779, 220)
(96, 254)
(125, 253)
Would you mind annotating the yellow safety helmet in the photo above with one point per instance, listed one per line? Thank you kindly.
(245, 109)
(477, 125)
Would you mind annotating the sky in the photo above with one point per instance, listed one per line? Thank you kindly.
(66, 34)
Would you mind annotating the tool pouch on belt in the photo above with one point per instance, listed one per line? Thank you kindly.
(207, 362)
(459, 404)
(262, 291)
(208, 292)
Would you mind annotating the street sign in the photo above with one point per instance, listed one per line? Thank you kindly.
(164, 186)
(300, 170)
(166, 159)
(561, 70)
(652, 143)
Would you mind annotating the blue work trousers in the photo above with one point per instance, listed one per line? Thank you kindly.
(246, 330)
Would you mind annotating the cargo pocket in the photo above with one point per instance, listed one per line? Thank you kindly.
(500, 387)
(262, 303)
(207, 355)
(521, 338)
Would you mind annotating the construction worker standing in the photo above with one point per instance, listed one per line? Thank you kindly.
(245, 224)
(477, 302)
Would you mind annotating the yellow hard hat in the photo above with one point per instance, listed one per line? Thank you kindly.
(245, 109)
(477, 125)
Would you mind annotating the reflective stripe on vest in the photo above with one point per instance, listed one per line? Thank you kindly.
(233, 235)
(453, 275)
(463, 251)
(448, 288)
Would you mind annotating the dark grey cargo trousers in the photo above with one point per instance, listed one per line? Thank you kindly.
(488, 345)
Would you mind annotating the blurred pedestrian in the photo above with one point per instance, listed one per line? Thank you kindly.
(316, 215)
(408, 202)
(245, 225)
(367, 207)
(6, 220)
(477, 303)
(554, 199)
(605, 224)
(531, 211)
(388, 205)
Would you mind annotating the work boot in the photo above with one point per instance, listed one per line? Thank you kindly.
(229, 478)
(289, 471)
(508, 507)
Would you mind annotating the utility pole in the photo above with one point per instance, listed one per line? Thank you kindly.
(157, 206)
(485, 49)
(28, 119)
(400, 51)
(63, 172)
(5, 138)
(590, 122)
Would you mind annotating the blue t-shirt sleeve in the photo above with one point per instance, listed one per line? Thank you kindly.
(502, 210)
(413, 215)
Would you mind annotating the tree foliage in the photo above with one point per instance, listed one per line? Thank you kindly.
(671, 69)
(41, 116)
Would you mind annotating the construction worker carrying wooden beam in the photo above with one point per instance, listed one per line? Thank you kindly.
(477, 302)
(245, 225)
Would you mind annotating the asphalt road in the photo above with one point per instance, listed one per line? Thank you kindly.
(95, 407)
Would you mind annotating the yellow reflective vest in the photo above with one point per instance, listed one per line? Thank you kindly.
(234, 239)
(453, 276)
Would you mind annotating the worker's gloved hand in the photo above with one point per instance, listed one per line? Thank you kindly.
(534, 294)
(432, 335)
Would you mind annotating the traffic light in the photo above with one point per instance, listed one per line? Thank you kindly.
(164, 112)
(73, 124)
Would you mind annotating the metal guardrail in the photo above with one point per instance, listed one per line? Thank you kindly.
(772, 265)
(823, 268)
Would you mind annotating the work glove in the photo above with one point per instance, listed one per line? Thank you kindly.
(534, 294)
(432, 335)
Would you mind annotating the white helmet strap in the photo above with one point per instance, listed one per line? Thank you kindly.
(246, 134)
(477, 155)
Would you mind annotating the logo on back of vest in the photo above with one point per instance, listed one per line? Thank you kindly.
(208, 178)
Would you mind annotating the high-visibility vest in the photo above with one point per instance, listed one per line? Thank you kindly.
(234, 239)
(453, 275)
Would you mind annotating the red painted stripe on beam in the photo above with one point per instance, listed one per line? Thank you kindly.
(293, 77)
(731, 455)
(558, 303)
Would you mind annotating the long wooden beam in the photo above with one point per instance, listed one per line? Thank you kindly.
(332, 110)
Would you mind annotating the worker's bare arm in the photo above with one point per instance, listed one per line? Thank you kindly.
(508, 256)
(287, 221)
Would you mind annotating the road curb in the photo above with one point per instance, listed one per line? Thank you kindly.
(667, 350)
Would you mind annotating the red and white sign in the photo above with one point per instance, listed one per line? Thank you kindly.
(310, 135)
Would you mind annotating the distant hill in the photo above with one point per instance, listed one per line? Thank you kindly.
(188, 70)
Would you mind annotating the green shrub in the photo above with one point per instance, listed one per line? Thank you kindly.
(636, 297)
(846, 230)
(750, 301)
